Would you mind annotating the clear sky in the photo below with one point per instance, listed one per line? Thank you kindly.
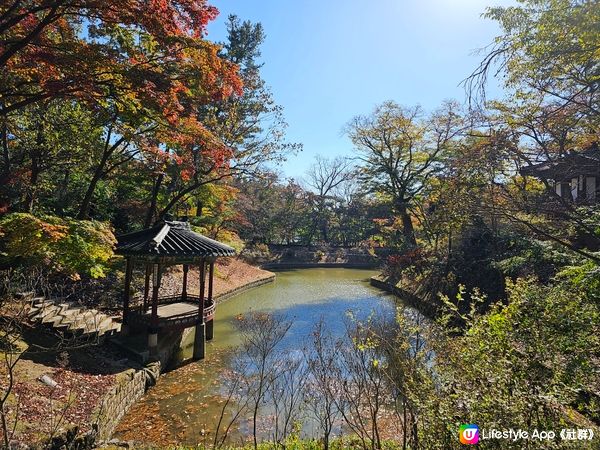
(329, 60)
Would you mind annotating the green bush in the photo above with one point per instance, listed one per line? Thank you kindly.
(530, 363)
(62, 245)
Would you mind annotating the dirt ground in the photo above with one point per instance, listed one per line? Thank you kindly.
(83, 376)
(230, 273)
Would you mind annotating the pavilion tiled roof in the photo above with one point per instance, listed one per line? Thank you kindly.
(573, 164)
(170, 239)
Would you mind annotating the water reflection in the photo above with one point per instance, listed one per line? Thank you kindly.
(185, 404)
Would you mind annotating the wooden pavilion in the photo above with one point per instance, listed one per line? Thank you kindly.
(165, 244)
(575, 176)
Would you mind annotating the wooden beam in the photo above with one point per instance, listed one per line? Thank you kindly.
(209, 332)
(127, 293)
(211, 273)
(185, 279)
(147, 285)
(202, 288)
(155, 287)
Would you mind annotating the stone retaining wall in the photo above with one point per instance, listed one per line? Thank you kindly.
(425, 308)
(298, 255)
(134, 383)
(303, 265)
(114, 405)
(225, 295)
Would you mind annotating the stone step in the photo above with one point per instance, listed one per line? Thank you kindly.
(38, 300)
(88, 318)
(32, 312)
(52, 322)
(70, 318)
(39, 307)
(72, 311)
(115, 328)
(106, 328)
(46, 311)
(58, 320)
(69, 323)
(50, 319)
(99, 327)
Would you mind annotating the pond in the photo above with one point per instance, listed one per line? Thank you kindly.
(184, 406)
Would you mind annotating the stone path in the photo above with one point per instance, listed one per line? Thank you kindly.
(71, 319)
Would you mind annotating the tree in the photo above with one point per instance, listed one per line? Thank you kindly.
(261, 346)
(525, 362)
(324, 176)
(249, 127)
(47, 142)
(323, 382)
(547, 48)
(44, 55)
(142, 77)
(547, 54)
(61, 245)
(272, 211)
(400, 151)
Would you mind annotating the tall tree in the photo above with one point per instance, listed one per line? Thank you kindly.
(144, 71)
(249, 126)
(548, 47)
(400, 150)
(325, 176)
(67, 48)
(547, 55)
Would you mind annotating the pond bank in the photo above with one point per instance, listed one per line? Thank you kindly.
(183, 407)
(97, 383)
(232, 276)
(314, 265)
(386, 284)
(282, 257)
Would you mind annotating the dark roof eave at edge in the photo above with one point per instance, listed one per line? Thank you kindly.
(586, 162)
(179, 242)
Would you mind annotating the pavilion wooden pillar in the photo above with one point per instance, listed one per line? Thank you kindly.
(186, 267)
(127, 296)
(200, 334)
(210, 324)
(153, 329)
(147, 286)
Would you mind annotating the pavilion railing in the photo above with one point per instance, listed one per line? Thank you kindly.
(184, 320)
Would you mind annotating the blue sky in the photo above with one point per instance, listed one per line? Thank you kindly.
(330, 60)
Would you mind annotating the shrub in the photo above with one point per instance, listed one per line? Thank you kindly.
(60, 244)
(523, 363)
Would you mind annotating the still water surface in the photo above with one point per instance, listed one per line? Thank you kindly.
(184, 405)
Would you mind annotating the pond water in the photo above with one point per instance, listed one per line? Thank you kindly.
(183, 407)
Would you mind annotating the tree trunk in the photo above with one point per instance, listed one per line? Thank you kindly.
(84, 209)
(62, 192)
(35, 168)
(33, 180)
(5, 152)
(324, 232)
(153, 200)
(99, 172)
(408, 229)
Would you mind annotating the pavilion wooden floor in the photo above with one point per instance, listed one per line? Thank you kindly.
(174, 309)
